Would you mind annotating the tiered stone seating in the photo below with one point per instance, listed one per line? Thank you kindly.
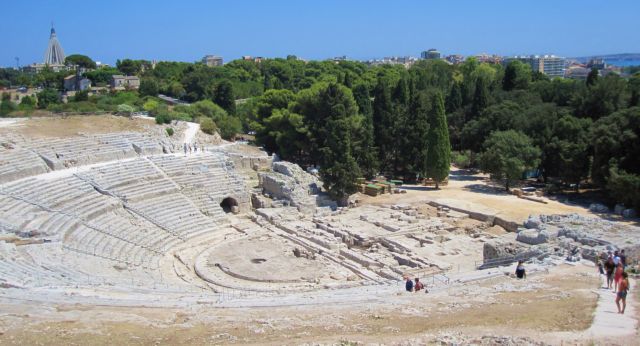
(137, 231)
(131, 180)
(103, 244)
(177, 213)
(18, 163)
(117, 140)
(67, 195)
(62, 153)
(143, 145)
(205, 179)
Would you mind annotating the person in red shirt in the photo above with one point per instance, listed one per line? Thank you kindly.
(418, 285)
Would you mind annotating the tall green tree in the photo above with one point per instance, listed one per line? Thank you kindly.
(383, 122)
(480, 97)
(365, 151)
(438, 144)
(592, 77)
(338, 168)
(508, 154)
(148, 87)
(224, 97)
(517, 75)
(417, 134)
(80, 61)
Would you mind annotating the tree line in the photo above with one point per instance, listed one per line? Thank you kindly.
(505, 120)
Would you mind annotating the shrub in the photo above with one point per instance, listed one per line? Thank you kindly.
(125, 109)
(460, 159)
(163, 118)
(207, 125)
(169, 131)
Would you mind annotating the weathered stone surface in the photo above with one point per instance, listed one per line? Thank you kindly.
(533, 222)
(499, 248)
(533, 236)
(629, 213)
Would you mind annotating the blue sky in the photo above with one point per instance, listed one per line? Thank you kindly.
(186, 30)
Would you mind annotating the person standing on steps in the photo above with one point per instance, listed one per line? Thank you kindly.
(185, 148)
(623, 288)
(418, 285)
(408, 285)
(520, 271)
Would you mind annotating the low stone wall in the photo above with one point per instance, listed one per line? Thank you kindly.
(510, 226)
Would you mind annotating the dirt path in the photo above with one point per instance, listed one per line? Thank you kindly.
(190, 133)
(607, 322)
(476, 193)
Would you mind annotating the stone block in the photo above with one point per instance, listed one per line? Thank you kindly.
(533, 236)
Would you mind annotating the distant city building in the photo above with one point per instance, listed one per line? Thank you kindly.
(430, 54)
(577, 71)
(339, 58)
(599, 64)
(53, 56)
(124, 82)
(212, 60)
(406, 61)
(489, 59)
(551, 65)
(455, 59)
(257, 59)
(76, 83)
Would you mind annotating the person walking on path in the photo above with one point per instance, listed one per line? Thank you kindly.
(609, 268)
(617, 276)
(623, 288)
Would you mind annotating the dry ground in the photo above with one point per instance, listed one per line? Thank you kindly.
(73, 125)
(558, 303)
(475, 192)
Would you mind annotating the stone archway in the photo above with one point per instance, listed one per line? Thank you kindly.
(229, 205)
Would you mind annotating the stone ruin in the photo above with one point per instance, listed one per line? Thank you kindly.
(288, 184)
(570, 237)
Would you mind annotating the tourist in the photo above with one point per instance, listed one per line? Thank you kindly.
(617, 276)
(600, 265)
(623, 288)
(616, 258)
(623, 259)
(189, 148)
(195, 147)
(609, 268)
(185, 149)
(408, 284)
(520, 272)
(418, 285)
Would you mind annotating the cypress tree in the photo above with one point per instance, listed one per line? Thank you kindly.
(480, 98)
(365, 151)
(592, 77)
(454, 99)
(338, 167)
(439, 147)
(383, 123)
(400, 100)
(417, 135)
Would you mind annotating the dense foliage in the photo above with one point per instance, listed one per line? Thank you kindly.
(352, 119)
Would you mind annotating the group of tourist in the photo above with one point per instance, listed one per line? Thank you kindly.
(612, 265)
(192, 148)
(410, 286)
